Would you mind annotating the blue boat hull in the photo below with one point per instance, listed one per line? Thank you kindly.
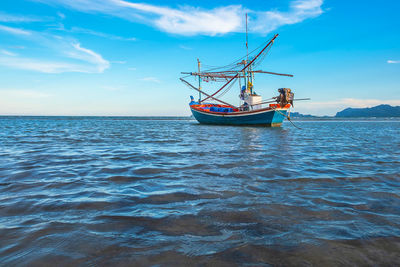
(263, 117)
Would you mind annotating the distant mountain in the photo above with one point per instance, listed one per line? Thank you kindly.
(378, 111)
(299, 115)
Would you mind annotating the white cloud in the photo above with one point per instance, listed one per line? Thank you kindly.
(7, 53)
(393, 61)
(17, 18)
(70, 55)
(61, 15)
(90, 56)
(118, 62)
(300, 10)
(15, 31)
(190, 20)
(41, 65)
(100, 34)
(132, 68)
(184, 47)
(22, 93)
(187, 20)
(18, 46)
(151, 79)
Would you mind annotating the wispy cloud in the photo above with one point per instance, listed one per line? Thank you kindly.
(43, 65)
(84, 54)
(14, 31)
(188, 20)
(18, 18)
(184, 47)
(96, 33)
(17, 93)
(118, 62)
(61, 15)
(393, 61)
(7, 53)
(18, 46)
(151, 79)
(299, 11)
(67, 54)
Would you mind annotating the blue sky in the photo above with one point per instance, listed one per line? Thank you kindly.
(120, 57)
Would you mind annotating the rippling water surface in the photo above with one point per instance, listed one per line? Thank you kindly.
(129, 191)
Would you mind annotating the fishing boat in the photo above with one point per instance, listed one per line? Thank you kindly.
(252, 110)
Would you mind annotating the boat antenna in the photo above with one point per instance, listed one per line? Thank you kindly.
(198, 66)
(247, 57)
(247, 42)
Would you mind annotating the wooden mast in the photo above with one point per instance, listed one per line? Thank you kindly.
(198, 67)
(247, 59)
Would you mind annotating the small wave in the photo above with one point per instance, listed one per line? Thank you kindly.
(175, 197)
(149, 171)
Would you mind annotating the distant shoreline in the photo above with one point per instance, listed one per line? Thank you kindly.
(383, 112)
(188, 118)
(346, 119)
(380, 111)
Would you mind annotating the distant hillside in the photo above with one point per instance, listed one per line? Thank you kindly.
(378, 111)
(299, 115)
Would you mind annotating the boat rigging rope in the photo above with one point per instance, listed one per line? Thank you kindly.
(262, 57)
(204, 93)
(227, 89)
(246, 65)
(287, 117)
(234, 63)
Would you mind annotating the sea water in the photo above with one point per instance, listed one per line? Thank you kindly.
(169, 191)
